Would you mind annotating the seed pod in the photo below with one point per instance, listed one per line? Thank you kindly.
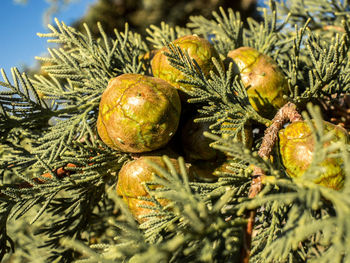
(203, 170)
(296, 145)
(227, 130)
(265, 82)
(130, 183)
(198, 48)
(138, 113)
(195, 144)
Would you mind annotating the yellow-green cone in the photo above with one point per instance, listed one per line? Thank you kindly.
(138, 113)
(198, 48)
(297, 147)
(194, 143)
(130, 184)
(265, 82)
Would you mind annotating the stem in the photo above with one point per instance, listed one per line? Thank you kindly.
(288, 113)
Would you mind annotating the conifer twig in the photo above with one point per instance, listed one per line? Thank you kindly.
(288, 113)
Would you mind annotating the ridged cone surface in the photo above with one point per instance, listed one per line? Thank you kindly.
(265, 82)
(138, 113)
(296, 145)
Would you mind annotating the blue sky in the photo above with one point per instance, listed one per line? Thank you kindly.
(19, 24)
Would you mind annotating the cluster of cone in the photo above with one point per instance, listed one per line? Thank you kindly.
(145, 116)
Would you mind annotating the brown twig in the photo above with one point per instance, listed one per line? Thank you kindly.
(333, 28)
(288, 113)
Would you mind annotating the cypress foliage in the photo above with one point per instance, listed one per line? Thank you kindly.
(58, 199)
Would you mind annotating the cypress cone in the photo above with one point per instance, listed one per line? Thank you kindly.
(198, 49)
(130, 185)
(128, 119)
(265, 82)
(297, 148)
